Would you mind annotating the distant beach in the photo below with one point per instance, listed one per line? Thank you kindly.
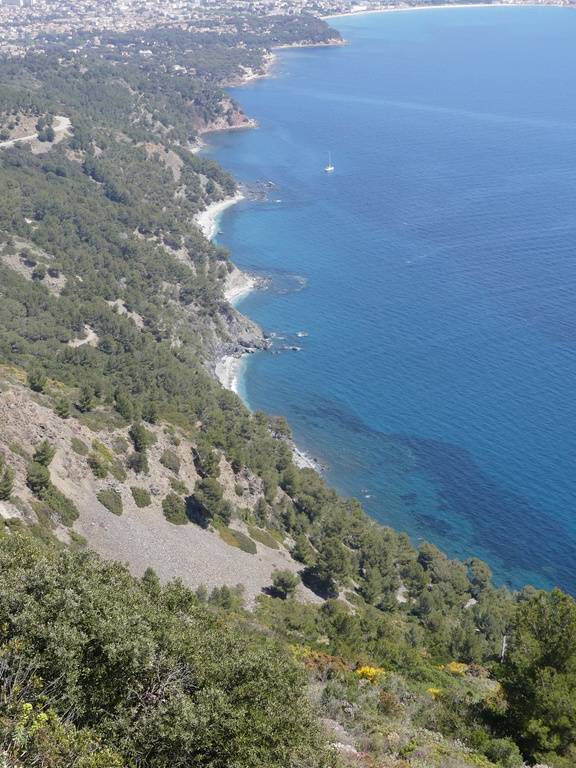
(229, 368)
(208, 219)
(431, 7)
(239, 284)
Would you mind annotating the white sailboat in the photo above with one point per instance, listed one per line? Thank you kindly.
(329, 168)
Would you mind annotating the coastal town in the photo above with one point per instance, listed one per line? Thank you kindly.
(27, 23)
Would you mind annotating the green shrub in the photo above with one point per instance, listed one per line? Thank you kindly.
(17, 450)
(79, 447)
(141, 437)
(103, 451)
(264, 537)
(101, 421)
(229, 695)
(178, 486)
(43, 513)
(110, 499)
(37, 380)
(39, 273)
(77, 541)
(62, 408)
(503, 752)
(98, 466)
(44, 453)
(303, 550)
(172, 436)
(238, 539)
(150, 412)
(117, 471)
(64, 509)
(174, 508)
(208, 494)
(37, 478)
(171, 461)
(85, 401)
(228, 598)
(284, 583)
(6, 484)
(138, 462)
(141, 497)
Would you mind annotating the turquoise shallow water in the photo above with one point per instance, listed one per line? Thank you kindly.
(434, 273)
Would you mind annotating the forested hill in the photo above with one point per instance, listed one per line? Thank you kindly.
(342, 643)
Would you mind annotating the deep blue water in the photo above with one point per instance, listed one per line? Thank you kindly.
(434, 271)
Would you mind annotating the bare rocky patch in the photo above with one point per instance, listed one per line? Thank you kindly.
(140, 537)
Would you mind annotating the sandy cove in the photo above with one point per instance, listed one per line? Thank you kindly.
(238, 285)
(207, 220)
(229, 368)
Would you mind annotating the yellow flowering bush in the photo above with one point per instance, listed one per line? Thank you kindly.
(372, 674)
(435, 692)
(456, 668)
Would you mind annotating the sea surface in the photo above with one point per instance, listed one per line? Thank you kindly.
(433, 273)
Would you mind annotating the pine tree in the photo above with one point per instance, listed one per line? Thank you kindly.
(37, 380)
(6, 484)
(140, 436)
(86, 399)
(123, 404)
(150, 413)
(63, 408)
(284, 583)
(44, 453)
(38, 478)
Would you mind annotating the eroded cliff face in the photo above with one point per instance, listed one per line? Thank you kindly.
(231, 117)
(242, 333)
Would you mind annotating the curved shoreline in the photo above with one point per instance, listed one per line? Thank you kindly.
(208, 220)
(447, 6)
(229, 368)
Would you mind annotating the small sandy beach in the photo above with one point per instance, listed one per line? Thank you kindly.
(238, 285)
(208, 219)
(229, 368)
(228, 371)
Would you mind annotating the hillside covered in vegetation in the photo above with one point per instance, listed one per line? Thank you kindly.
(262, 620)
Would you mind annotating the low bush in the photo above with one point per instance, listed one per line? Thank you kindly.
(110, 499)
(141, 497)
(238, 539)
(264, 537)
(178, 486)
(64, 509)
(174, 508)
(98, 466)
(138, 462)
(171, 461)
(79, 447)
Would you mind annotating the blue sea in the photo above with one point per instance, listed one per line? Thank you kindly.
(431, 277)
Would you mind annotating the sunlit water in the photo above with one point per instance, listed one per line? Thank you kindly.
(434, 272)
